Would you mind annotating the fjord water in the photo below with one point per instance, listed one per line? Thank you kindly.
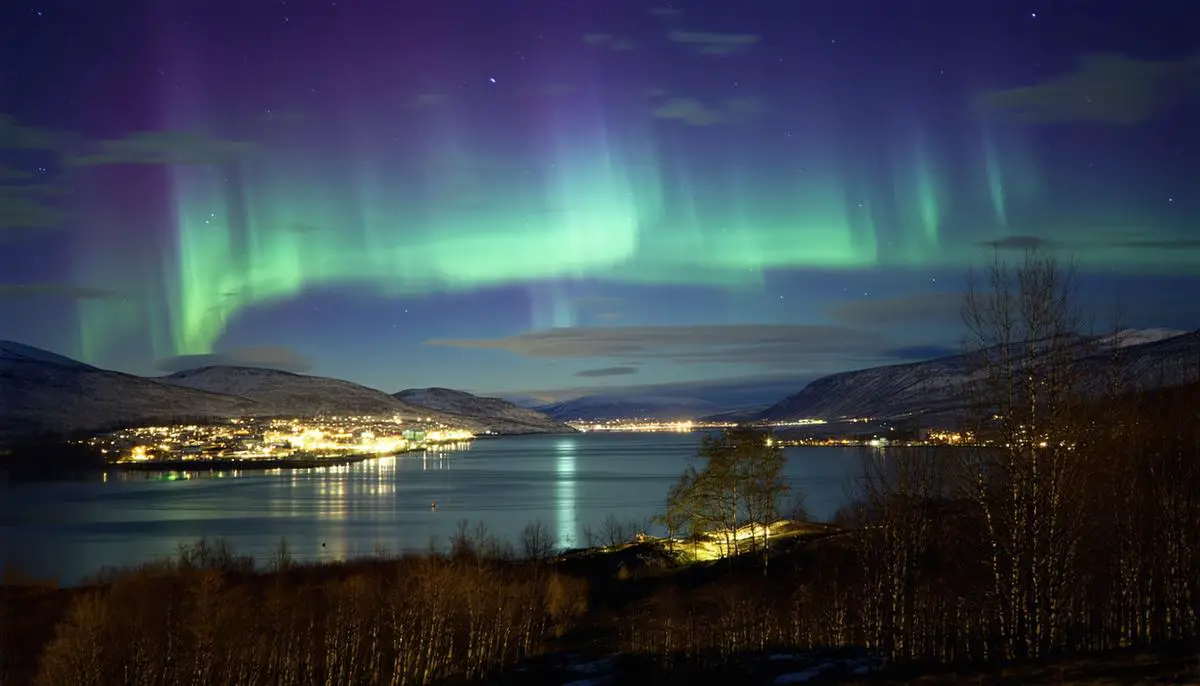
(67, 530)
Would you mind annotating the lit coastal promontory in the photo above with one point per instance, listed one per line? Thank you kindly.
(256, 440)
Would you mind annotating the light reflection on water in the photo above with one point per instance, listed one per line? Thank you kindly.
(67, 530)
(565, 493)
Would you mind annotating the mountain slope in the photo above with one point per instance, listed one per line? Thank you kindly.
(45, 393)
(494, 410)
(41, 392)
(936, 390)
(280, 392)
(610, 406)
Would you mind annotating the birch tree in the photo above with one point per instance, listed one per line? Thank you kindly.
(1025, 391)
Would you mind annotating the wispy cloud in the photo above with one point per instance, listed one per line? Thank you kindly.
(920, 308)
(1159, 244)
(1021, 243)
(922, 352)
(714, 43)
(26, 198)
(25, 206)
(17, 136)
(607, 371)
(267, 357)
(609, 42)
(694, 112)
(1105, 88)
(731, 344)
(55, 290)
(164, 147)
(742, 391)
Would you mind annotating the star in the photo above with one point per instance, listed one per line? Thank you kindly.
(492, 79)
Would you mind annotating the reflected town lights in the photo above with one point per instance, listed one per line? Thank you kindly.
(565, 497)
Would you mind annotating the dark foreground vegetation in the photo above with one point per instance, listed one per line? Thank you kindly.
(1063, 546)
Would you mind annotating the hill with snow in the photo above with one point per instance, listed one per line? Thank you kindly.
(43, 393)
(284, 393)
(934, 392)
(612, 406)
(514, 418)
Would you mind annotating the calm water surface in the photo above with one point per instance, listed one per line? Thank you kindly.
(67, 530)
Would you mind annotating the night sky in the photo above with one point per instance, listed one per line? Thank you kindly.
(507, 196)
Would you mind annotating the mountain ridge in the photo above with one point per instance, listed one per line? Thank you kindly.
(466, 404)
(935, 391)
(44, 394)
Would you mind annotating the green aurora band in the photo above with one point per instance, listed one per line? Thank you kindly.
(267, 229)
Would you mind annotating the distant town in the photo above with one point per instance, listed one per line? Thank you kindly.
(274, 440)
(883, 435)
(279, 441)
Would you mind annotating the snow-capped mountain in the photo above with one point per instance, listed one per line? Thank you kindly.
(494, 410)
(44, 393)
(41, 392)
(716, 399)
(611, 406)
(935, 390)
(285, 393)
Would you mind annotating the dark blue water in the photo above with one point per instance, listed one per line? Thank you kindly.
(67, 530)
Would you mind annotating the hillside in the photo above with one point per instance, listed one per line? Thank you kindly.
(515, 419)
(46, 393)
(280, 392)
(41, 392)
(610, 406)
(936, 390)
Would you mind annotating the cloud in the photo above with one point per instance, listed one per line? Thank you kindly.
(16, 136)
(595, 301)
(25, 197)
(1104, 243)
(921, 352)
(423, 100)
(712, 43)
(28, 206)
(1021, 243)
(902, 309)
(693, 112)
(609, 41)
(777, 344)
(607, 371)
(56, 290)
(738, 392)
(1163, 244)
(164, 147)
(1106, 88)
(267, 357)
(604, 308)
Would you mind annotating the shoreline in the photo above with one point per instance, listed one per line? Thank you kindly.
(231, 464)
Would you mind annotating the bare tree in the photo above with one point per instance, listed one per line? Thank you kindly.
(897, 519)
(1025, 390)
(537, 543)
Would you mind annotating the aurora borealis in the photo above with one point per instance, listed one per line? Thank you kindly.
(516, 196)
